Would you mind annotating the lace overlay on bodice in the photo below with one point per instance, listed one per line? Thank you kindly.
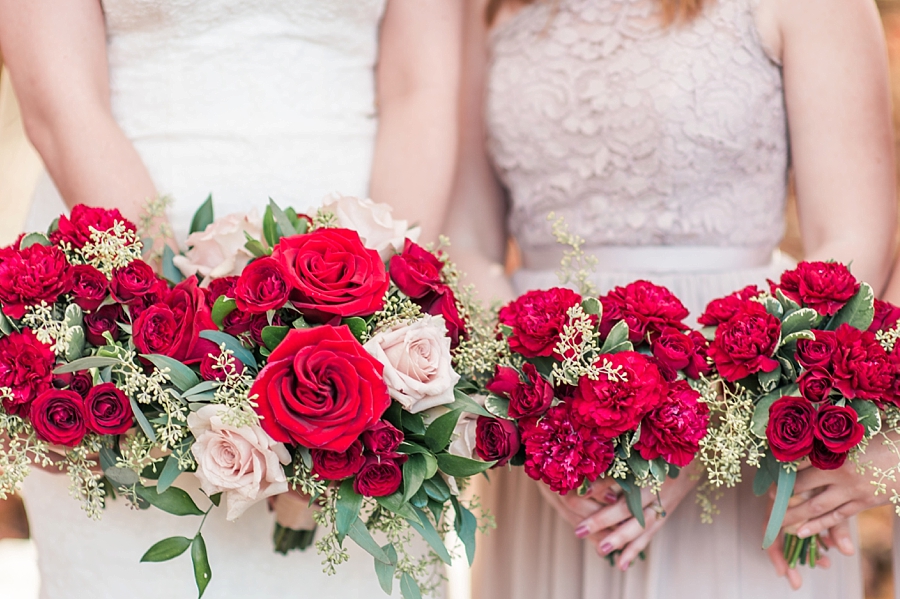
(635, 133)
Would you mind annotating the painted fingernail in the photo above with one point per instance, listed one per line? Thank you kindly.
(624, 566)
(803, 533)
(611, 497)
(846, 546)
(582, 531)
(605, 548)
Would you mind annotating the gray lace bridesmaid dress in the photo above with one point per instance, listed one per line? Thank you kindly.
(667, 150)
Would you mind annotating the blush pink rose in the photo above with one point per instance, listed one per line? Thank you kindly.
(218, 251)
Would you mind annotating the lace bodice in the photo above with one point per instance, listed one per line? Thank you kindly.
(635, 133)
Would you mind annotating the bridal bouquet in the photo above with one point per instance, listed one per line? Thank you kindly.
(803, 378)
(324, 357)
(597, 387)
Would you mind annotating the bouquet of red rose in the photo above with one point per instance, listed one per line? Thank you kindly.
(597, 387)
(803, 377)
(321, 353)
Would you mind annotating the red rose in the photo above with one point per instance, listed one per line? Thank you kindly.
(338, 465)
(107, 410)
(823, 286)
(824, 459)
(815, 384)
(209, 370)
(157, 295)
(379, 477)
(332, 274)
(563, 453)
(838, 428)
(173, 327)
(537, 319)
(745, 344)
(262, 287)
(886, 316)
(89, 286)
(104, 320)
(444, 304)
(790, 429)
(416, 271)
(320, 389)
(816, 352)
(382, 438)
(80, 382)
(529, 398)
(723, 309)
(237, 323)
(58, 417)
(673, 430)
(677, 350)
(76, 228)
(219, 287)
(647, 308)
(32, 275)
(496, 440)
(862, 368)
(132, 282)
(26, 367)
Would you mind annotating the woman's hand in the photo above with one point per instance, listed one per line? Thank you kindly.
(837, 536)
(574, 508)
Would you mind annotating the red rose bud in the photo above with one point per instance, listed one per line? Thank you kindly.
(320, 389)
(745, 344)
(444, 304)
(133, 281)
(537, 319)
(647, 308)
(379, 477)
(103, 320)
(674, 351)
(531, 397)
(723, 309)
(32, 275)
(75, 229)
(262, 287)
(791, 427)
(816, 352)
(815, 384)
(219, 287)
(886, 316)
(416, 271)
(496, 440)
(699, 365)
(80, 382)
(89, 286)
(58, 417)
(505, 381)
(237, 323)
(823, 286)
(210, 371)
(26, 367)
(824, 459)
(332, 274)
(173, 327)
(673, 430)
(260, 321)
(838, 428)
(338, 465)
(382, 438)
(107, 410)
(862, 368)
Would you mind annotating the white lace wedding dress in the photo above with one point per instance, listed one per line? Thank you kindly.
(244, 99)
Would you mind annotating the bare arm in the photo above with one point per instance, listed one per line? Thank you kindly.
(56, 56)
(417, 85)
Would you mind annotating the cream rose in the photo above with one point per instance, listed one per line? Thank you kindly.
(463, 440)
(242, 463)
(416, 358)
(378, 230)
(218, 251)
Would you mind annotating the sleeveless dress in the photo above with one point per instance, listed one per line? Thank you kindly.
(667, 150)
(245, 99)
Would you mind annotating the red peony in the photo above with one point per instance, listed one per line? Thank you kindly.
(379, 477)
(723, 309)
(58, 417)
(838, 428)
(537, 319)
(76, 228)
(815, 384)
(812, 353)
(563, 453)
(673, 430)
(823, 286)
(26, 369)
(791, 427)
(32, 275)
(320, 389)
(862, 368)
(647, 308)
(383, 438)
(496, 440)
(745, 344)
(89, 287)
(531, 397)
(338, 465)
(630, 385)
(172, 328)
(332, 274)
(107, 410)
(104, 320)
(262, 287)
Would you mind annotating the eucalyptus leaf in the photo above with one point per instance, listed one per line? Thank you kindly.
(169, 270)
(633, 499)
(270, 228)
(659, 468)
(385, 572)
(180, 375)
(281, 219)
(638, 465)
(348, 504)
(173, 500)
(85, 364)
(124, 477)
(233, 345)
(425, 528)
(361, 535)
(763, 479)
(203, 217)
(6, 325)
(200, 561)
(142, 420)
(453, 465)
(783, 492)
(409, 588)
(709, 333)
(166, 549)
(169, 473)
(202, 387)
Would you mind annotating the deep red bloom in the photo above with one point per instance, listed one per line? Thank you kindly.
(537, 319)
(812, 353)
(219, 287)
(815, 384)
(791, 427)
(823, 286)
(862, 368)
(824, 459)
(382, 438)
(496, 440)
(745, 344)
(886, 316)
(838, 428)
(75, 229)
(722, 309)
(32, 275)
(338, 465)
(58, 417)
(680, 350)
(26, 369)
(103, 320)
(531, 397)
(673, 430)
(133, 281)
(107, 410)
(89, 286)
(647, 308)
(416, 271)
(379, 476)
(172, 328)
(262, 286)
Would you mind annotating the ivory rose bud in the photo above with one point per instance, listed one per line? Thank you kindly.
(463, 440)
(378, 230)
(242, 463)
(416, 358)
(218, 251)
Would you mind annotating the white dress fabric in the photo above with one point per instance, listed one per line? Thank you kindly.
(666, 150)
(244, 99)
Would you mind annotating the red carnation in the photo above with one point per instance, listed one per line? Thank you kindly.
(673, 430)
(823, 286)
(678, 350)
(32, 275)
(647, 308)
(862, 368)
(537, 319)
(745, 344)
(723, 309)
(76, 228)
(26, 369)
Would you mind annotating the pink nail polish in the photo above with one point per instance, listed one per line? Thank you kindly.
(605, 548)
(610, 497)
(625, 566)
(582, 531)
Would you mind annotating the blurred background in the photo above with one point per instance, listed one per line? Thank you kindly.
(19, 169)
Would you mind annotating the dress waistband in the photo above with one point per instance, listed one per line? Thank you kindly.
(657, 258)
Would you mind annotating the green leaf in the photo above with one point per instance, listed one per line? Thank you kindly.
(859, 312)
(437, 489)
(122, 476)
(769, 380)
(202, 387)
(300, 323)
(202, 571)
(169, 270)
(361, 535)
(454, 465)
(272, 336)
(255, 247)
(709, 333)
(425, 528)
(763, 478)
(34, 239)
(85, 364)
(797, 336)
(617, 340)
(761, 411)
(76, 343)
(166, 549)
(222, 308)
(497, 406)
(169, 473)
(413, 475)
(659, 468)
(413, 423)
(181, 376)
(800, 320)
(231, 344)
(431, 466)
(6, 325)
(633, 499)
(357, 326)
(216, 498)
(467, 404)
(466, 526)
(385, 572)
(773, 307)
(270, 229)
(592, 306)
(142, 420)
(868, 415)
(348, 504)
(281, 219)
(395, 504)
(204, 216)
(409, 588)
(301, 225)
(789, 304)
(638, 465)
(74, 316)
(173, 500)
(783, 492)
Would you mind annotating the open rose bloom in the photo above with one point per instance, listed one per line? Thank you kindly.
(815, 358)
(597, 387)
